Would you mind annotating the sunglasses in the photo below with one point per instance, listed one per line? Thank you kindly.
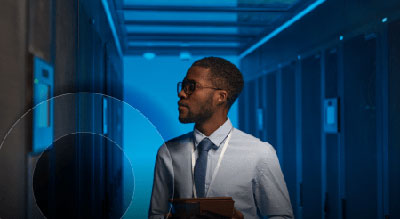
(190, 86)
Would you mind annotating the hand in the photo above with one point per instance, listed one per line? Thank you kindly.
(237, 214)
(168, 216)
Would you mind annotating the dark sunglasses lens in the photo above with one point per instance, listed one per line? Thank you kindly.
(191, 87)
(188, 86)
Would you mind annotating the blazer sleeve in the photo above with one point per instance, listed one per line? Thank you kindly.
(162, 184)
(269, 187)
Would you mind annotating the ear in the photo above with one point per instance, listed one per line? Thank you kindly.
(222, 97)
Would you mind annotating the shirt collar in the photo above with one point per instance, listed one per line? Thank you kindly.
(217, 137)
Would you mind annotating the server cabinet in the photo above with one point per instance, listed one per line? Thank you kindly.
(393, 118)
(251, 102)
(332, 193)
(288, 130)
(91, 185)
(260, 95)
(246, 108)
(270, 108)
(242, 109)
(359, 128)
(311, 193)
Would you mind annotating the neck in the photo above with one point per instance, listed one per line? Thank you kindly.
(209, 126)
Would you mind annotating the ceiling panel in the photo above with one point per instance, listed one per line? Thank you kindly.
(200, 26)
(181, 2)
(177, 16)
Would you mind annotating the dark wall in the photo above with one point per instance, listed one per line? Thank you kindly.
(15, 100)
(354, 172)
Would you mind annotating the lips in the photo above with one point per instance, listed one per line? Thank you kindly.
(180, 104)
(181, 108)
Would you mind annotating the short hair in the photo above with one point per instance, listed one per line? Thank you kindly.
(225, 75)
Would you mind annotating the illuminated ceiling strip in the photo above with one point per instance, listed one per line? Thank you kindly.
(281, 28)
(178, 8)
(112, 26)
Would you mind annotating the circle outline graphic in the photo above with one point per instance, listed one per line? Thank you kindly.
(93, 133)
(75, 133)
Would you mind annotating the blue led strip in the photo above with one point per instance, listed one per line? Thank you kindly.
(112, 26)
(281, 28)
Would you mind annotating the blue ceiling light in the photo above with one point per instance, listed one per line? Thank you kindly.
(149, 55)
(340, 37)
(384, 19)
(185, 56)
(281, 28)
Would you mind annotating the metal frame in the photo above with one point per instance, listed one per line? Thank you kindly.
(382, 115)
(323, 136)
(341, 140)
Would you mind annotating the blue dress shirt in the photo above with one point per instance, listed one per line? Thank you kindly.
(249, 173)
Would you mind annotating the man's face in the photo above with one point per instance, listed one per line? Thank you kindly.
(198, 106)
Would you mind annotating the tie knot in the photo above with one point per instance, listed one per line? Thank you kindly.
(206, 144)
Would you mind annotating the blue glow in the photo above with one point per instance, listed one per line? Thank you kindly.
(260, 119)
(112, 26)
(43, 94)
(141, 142)
(105, 119)
(330, 115)
(185, 56)
(281, 28)
(43, 112)
(384, 20)
(341, 38)
(149, 55)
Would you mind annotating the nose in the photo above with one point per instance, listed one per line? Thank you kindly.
(182, 94)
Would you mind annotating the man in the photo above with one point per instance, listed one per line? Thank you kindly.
(217, 160)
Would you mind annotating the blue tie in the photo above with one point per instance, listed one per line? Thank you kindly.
(201, 166)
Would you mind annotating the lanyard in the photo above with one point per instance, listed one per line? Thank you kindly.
(216, 168)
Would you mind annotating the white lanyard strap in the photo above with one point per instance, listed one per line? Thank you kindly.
(216, 168)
